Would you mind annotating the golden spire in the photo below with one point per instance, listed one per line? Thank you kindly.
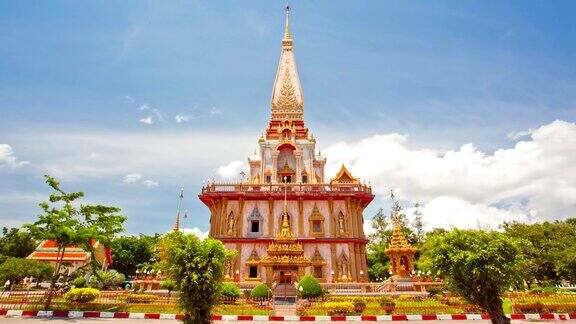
(176, 227)
(287, 33)
(287, 98)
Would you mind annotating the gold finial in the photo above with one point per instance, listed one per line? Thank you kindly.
(177, 223)
(287, 33)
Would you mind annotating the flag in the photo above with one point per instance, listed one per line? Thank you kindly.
(181, 193)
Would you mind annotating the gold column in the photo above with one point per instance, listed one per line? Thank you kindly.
(331, 218)
(352, 259)
(212, 219)
(222, 218)
(270, 217)
(333, 266)
(240, 223)
(239, 262)
(298, 156)
(274, 166)
(300, 218)
(358, 262)
(351, 228)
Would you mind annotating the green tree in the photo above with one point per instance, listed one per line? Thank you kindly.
(478, 265)
(169, 285)
(550, 252)
(67, 225)
(131, 253)
(110, 279)
(16, 269)
(197, 266)
(16, 243)
(418, 225)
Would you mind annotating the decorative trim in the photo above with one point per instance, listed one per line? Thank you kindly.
(371, 318)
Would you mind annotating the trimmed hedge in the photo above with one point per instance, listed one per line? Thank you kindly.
(81, 295)
(230, 290)
(260, 291)
(310, 287)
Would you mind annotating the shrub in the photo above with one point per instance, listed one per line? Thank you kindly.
(435, 290)
(260, 291)
(169, 285)
(230, 290)
(81, 295)
(359, 305)
(543, 290)
(338, 308)
(142, 298)
(310, 287)
(387, 303)
(106, 279)
(79, 282)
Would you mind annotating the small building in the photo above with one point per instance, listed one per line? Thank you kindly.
(74, 257)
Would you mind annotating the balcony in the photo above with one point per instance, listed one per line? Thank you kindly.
(292, 188)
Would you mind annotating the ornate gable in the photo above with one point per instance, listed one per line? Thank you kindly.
(344, 177)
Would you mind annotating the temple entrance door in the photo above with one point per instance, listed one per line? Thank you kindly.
(285, 277)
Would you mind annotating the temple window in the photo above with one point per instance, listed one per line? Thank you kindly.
(254, 223)
(304, 179)
(318, 264)
(253, 272)
(316, 222)
(268, 179)
(255, 227)
(318, 272)
(317, 226)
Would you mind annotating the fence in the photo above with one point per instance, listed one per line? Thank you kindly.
(520, 303)
(377, 288)
(127, 301)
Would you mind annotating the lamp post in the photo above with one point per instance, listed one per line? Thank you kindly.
(237, 276)
(361, 276)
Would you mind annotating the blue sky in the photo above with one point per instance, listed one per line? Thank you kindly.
(90, 92)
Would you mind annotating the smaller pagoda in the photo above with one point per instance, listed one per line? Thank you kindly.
(285, 252)
(400, 251)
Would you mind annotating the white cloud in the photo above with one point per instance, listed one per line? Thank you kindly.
(215, 111)
(148, 120)
(196, 231)
(7, 157)
(132, 178)
(181, 118)
(137, 178)
(165, 156)
(231, 169)
(534, 180)
(156, 112)
(150, 183)
(520, 134)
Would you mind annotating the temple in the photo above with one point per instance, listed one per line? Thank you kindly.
(285, 219)
(74, 257)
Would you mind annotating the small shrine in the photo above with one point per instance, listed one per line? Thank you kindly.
(401, 253)
(285, 255)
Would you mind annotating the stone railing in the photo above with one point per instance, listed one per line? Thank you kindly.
(280, 187)
(376, 288)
